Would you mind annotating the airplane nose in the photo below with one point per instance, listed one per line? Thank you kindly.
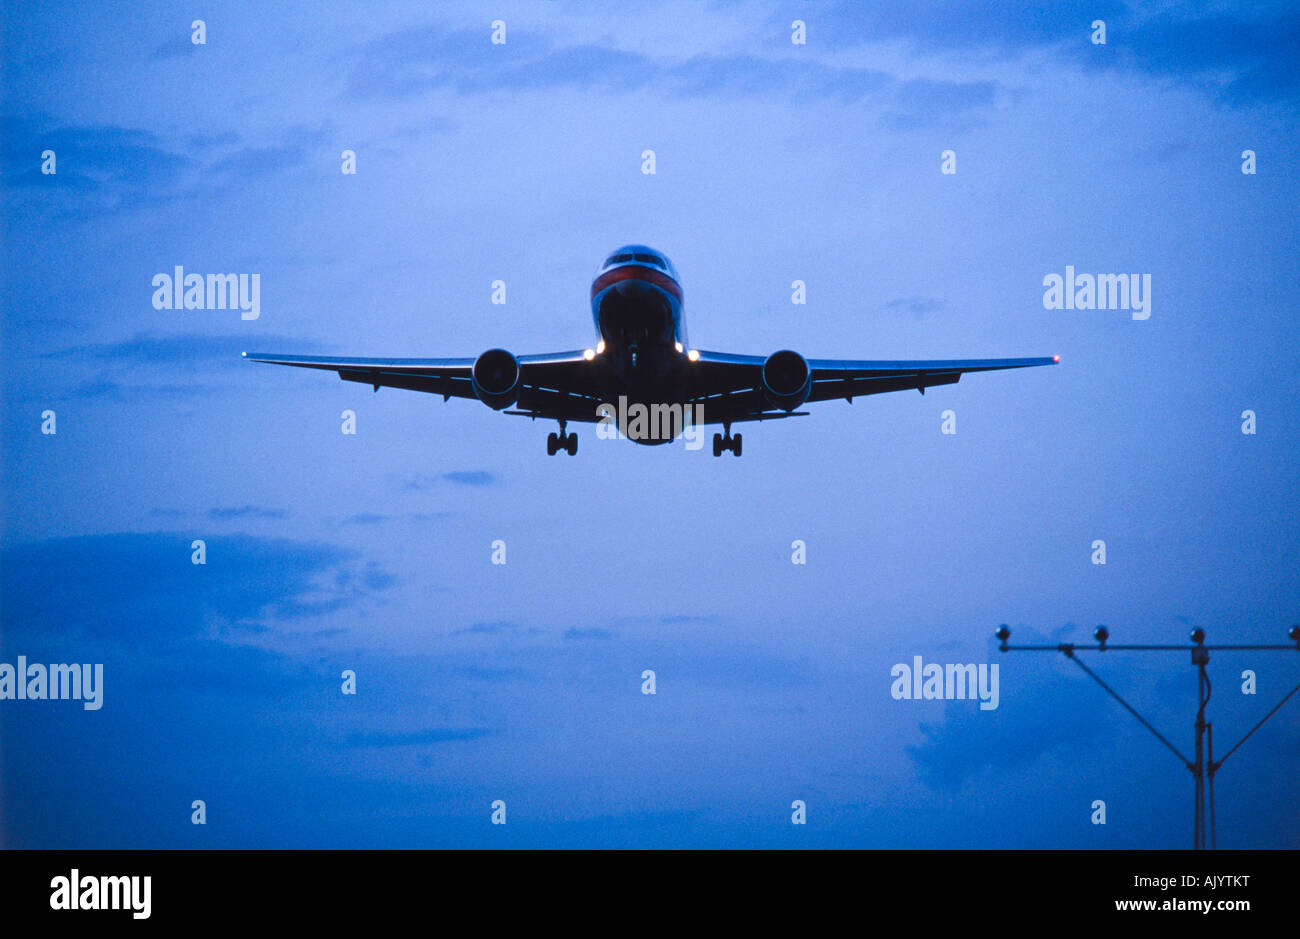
(635, 312)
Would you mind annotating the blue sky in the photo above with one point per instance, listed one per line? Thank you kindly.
(522, 682)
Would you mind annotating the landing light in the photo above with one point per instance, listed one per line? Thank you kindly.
(678, 345)
(600, 347)
(693, 355)
(589, 354)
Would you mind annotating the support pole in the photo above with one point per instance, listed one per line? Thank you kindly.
(1203, 767)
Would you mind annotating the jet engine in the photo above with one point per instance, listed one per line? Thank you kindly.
(495, 377)
(787, 380)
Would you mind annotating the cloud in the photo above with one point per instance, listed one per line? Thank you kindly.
(969, 742)
(374, 738)
(458, 477)
(713, 75)
(147, 365)
(105, 169)
(593, 633)
(932, 26)
(251, 163)
(915, 306)
(926, 102)
(1240, 56)
(107, 389)
(190, 706)
(743, 667)
(416, 61)
(218, 140)
(104, 388)
(470, 477)
(495, 628)
(378, 518)
(149, 348)
(244, 511)
(143, 590)
(99, 167)
(686, 618)
(181, 46)
(486, 673)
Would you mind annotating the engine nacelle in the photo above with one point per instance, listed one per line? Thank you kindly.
(787, 380)
(495, 377)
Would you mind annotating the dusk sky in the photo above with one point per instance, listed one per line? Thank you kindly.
(522, 162)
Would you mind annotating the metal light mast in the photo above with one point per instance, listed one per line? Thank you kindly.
(1204, 766)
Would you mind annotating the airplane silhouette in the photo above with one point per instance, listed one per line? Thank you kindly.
(642, 376)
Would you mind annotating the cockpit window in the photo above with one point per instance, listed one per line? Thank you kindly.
(639, 254)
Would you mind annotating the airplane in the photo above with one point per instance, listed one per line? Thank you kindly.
(642, 357)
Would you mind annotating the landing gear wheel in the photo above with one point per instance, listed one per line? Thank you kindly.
(726, 442)
(562, 441)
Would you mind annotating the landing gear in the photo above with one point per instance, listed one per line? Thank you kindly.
(561, 441)
(725, 441)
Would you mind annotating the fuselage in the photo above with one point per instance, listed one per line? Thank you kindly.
(637, 305)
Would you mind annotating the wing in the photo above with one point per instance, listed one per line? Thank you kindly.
(730, 386)
(555, 385)
(562, 385)
(832, 378)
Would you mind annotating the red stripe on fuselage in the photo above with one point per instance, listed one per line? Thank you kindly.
(636, 272)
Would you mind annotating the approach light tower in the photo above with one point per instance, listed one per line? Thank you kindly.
(1204, 766)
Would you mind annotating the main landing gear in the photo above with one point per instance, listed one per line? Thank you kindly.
(727, 442)
(562, 441)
